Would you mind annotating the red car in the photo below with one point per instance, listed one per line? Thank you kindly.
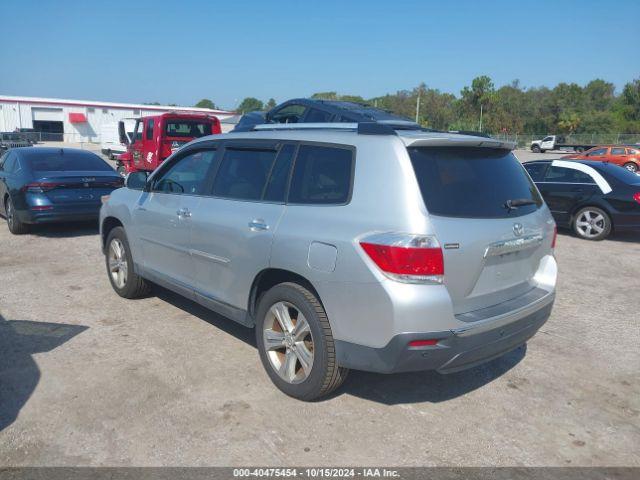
(627, 157)
(157, 137)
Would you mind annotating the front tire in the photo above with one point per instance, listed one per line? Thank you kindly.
(535, 149)
(119, 262)
(632, 167)
(13, 222)
(592, 223)
(296, 344)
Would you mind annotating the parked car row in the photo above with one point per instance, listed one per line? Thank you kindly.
(627, 157)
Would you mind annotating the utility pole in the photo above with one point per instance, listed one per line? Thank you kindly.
(418, 108)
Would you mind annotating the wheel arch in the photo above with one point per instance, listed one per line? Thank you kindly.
(108, 224)
(591, 203)
(270, 277)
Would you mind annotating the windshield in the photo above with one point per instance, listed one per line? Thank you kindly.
(187, 128)
(473, 182)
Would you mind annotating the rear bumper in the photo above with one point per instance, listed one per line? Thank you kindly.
(456, 350)
(60, 214)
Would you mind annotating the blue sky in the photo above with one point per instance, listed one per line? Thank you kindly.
(181, 51)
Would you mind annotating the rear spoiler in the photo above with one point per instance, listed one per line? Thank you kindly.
(456, 140)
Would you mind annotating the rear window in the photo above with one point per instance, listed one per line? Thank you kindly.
(68, 161)
(472, 182)
(187, 128)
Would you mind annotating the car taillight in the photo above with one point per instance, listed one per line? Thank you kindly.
(430, 342)
(166, 150)
(636, 197)
(406, 257)
(39, 187)
(555, 236)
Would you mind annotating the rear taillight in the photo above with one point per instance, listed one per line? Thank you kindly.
(555, 236)
(39, 187)
(430, 342)
(406, 257)
(636, 197)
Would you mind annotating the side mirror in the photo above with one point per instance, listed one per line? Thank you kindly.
(136, 180)
(122, 134)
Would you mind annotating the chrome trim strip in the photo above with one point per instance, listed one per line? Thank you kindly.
(514, 245)
(166, 245)
(208, 256)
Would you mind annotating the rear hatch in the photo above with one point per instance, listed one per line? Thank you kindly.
(487, 216)
(78, 187)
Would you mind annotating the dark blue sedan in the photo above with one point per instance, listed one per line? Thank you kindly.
(41, 185)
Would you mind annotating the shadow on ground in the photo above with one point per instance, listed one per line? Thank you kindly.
(399, 388)
(65, 230)
(631, 236)
(19, 373)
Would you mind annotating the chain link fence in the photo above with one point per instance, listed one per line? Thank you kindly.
(523, 140)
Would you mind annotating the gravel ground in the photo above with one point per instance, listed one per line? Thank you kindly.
(88, 378)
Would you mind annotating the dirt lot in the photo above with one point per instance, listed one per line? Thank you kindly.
(87, 378)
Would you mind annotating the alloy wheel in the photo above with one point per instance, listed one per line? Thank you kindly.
(288, 342)
(590, 224)
(631, 167)
(118, 268)
(9, 209)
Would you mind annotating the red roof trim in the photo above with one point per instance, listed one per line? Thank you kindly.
(102, 105)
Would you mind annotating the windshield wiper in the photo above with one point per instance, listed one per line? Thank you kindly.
(518, 202)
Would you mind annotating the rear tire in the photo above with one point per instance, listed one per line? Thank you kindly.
(16, 227)
(632, 167)
(295, 343)
(535, 149)
(120, 269)
(592, 223)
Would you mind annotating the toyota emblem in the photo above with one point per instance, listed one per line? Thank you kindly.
(518, 229)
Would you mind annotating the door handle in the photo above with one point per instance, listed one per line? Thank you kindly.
(183, 213)
(258, 224)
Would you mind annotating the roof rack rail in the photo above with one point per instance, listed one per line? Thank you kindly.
(362, 128)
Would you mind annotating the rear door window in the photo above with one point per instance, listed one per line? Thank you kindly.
(288, 114)
(322, 175)
(317, 116)
(598, 153)
(567, 175)
(536, 170)
(472, 182)
(243, 174)
(617, 151)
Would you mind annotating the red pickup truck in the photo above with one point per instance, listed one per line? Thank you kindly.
(158, 136)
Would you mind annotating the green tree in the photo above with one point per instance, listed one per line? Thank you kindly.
(325, 96)
(206, 103)
(250, 104)
(270, 104)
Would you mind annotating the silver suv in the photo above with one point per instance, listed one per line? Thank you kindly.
(344, 245)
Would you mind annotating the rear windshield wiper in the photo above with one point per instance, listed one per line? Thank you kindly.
(518, 202)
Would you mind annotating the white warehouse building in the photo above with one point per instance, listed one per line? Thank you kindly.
(78, 121)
